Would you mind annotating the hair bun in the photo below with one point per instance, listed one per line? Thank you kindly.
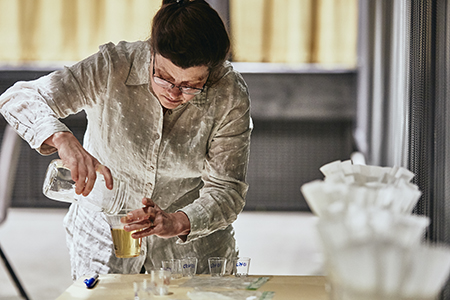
(180, 2)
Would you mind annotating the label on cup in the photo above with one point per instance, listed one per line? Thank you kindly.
(241, 264)
(216, 265)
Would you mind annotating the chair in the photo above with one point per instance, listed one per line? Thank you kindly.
(9, 157)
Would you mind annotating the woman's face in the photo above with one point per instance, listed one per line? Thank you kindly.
(171, 80)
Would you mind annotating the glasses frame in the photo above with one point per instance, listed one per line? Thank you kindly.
(165, 84)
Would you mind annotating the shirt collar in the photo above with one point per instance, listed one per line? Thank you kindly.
(213, 79)
(139, 70)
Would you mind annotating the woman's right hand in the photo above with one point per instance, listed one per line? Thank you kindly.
(82, 164)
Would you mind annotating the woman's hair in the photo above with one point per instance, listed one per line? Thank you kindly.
(189, 33)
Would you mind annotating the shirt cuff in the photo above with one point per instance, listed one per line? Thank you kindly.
(43, 132)
(198, 217)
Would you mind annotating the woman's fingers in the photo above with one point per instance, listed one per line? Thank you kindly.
(141, 214)
(83, 166)
(90, 179)
(106, 172)
(148, 202)
(143, 233)
(142, 225)
(85, 171)
(142, 219)
(150, 219)
(162, 224)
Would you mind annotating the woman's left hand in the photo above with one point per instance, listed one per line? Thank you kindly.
(151, 219)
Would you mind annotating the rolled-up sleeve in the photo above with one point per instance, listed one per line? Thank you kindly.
(25, 107)
(33, 108)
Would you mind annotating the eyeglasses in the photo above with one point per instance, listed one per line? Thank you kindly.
(169, 85)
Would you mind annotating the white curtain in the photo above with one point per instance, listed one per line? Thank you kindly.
(69, 30)
(286, 31)
(295, 31)
(381, 131)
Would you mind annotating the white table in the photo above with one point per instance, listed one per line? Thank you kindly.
(120, 287)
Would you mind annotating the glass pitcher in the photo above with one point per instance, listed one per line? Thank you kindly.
(59, 186)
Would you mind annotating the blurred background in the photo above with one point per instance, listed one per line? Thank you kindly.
(298, 58)
(327, 78)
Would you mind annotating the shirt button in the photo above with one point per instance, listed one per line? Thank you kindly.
(152, 168)
(148, 185)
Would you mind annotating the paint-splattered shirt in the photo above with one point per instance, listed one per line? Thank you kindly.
(193, 158)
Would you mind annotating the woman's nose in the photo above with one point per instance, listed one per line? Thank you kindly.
(175, 91)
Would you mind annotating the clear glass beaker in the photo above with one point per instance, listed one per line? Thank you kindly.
(59, 186)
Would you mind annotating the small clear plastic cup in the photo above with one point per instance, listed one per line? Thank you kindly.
(189, 266)
(241, 266)
(217, 266)
(125, 246)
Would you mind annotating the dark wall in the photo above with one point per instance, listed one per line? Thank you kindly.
(302, 120)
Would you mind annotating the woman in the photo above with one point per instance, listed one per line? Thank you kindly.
(168, 116)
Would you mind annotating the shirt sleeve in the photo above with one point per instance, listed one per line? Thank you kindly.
(33, 108)
(222, 197)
